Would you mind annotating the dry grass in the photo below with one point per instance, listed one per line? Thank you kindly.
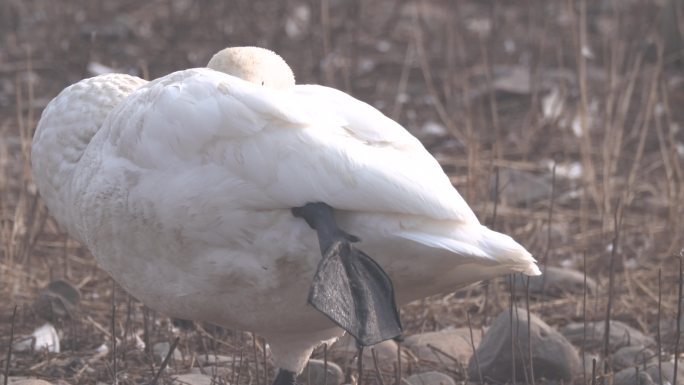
(483, 71)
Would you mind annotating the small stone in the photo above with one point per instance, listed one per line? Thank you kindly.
(161, 350)
(668, 330)
(621, 335)
(192, 379)
(632, 376)
(554, 358)
(557, 282)
(215, 359)
(24, 381)
(668, 372)
(430, 378)
(314, 374)
(454, 342)
(344, 350)
(43, 338)
(630, 356)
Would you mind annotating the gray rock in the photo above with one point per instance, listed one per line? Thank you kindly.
(552, 355)
(430, 378)
(192, 379)
(454, 342)
(23, 381)
(557, 282)
(161, 349)
(215, 359)
(630, 356)
(632, 376)
(668, 372)
(668, 332)
(216, 365)
(621, 335)
(520, 187)
(314, 374)
(344, 350)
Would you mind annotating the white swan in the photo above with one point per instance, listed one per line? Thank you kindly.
(182, 188)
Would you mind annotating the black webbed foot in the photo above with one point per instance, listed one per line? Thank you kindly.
(349, 287)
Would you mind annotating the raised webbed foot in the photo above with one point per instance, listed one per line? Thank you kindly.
(349, 287)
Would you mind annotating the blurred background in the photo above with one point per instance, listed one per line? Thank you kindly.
(560, 122)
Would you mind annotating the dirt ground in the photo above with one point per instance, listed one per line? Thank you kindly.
(559, 121)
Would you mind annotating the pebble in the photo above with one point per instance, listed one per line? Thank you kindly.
(621, 335)
(192, 379)
(630, 356)
(554, 358)
(23, 381)
(314, 374)
(668, 371)
(430, 378)
(344, 350)
(454, 342)
(557, 282)
(632, 376)
(668, 330)
(215, 359)
(161, 349)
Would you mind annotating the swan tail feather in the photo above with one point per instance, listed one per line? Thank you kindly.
(489, 246)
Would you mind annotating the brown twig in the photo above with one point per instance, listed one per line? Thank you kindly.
(549, 219)
(113, 321)
(679, 317)
(514, 335)
(399, 369)
(359, 365)
(263, 350)
(166, 361)
(584, 317)
(659, 343)
(611, 283)
(472, 345)
(325, 364)
(9, 347)
(529, 327)
(378, 375)
(256, 358)
(442, 352)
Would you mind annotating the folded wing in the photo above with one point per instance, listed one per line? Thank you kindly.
(286, 148)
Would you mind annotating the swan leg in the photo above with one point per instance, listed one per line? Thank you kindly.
(349, 287)
(285, 377)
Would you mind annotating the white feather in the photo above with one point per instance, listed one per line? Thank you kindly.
(184, 194)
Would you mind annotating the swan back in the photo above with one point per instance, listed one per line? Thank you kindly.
(65, 129)
(255, 65)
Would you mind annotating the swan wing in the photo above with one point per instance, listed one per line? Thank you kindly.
(284, 148)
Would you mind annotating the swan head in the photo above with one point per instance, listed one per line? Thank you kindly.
(255, 65)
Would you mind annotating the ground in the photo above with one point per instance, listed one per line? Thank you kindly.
(559, 121)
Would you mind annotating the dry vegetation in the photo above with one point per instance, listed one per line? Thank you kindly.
(594, 87)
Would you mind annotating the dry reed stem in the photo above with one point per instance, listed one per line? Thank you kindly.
(678, 332)
(429, 83)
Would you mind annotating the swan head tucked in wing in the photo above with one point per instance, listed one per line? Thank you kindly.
(255, 65)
